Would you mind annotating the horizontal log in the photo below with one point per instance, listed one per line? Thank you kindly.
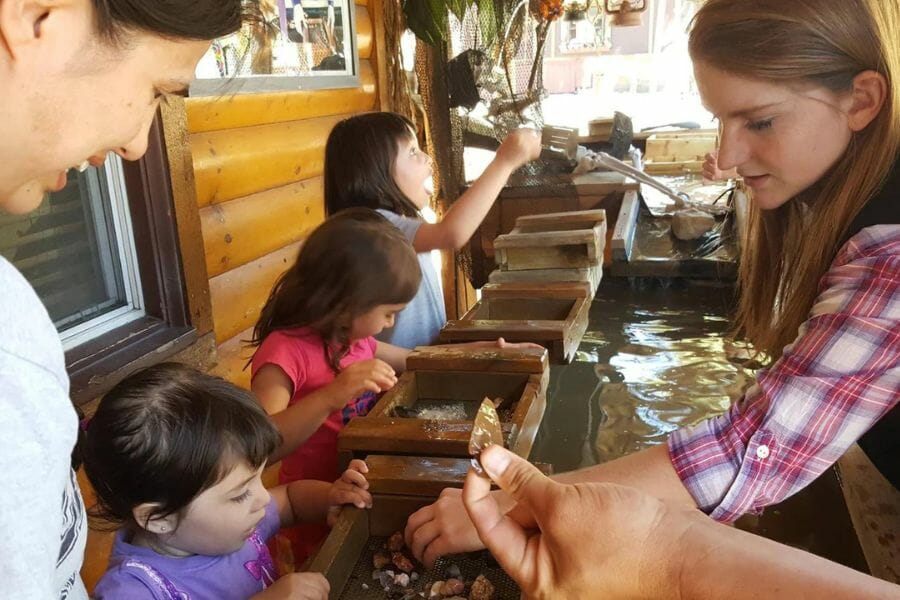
(238, 295)
(216, 113)
(239, 162)
(242, 230)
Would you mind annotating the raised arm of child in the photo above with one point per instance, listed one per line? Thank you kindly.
(392, 355)
(466, 214)
(297, 422)
(309, 500)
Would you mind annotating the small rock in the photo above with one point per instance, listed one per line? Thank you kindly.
(376, 574)
(401, 562)
(401, 579)
(365, 586)
(482, 589)
(435, 591)
(453, 571)
(381, 559)
(691, 223)
(453, 587)
(413, 576)
(386, 579)
(396, 543)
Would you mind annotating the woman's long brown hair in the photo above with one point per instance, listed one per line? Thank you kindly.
(827, 43)
(351, 263)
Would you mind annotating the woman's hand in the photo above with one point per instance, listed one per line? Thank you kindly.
(297, 586)
(351, 488)
(373, 375)
(572, 541)
(519, 147)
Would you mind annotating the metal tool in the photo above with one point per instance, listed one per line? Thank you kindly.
(613, 163)
(485, 432)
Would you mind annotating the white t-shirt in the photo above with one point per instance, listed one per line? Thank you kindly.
(42, 519)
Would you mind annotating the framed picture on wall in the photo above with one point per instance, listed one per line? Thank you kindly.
(299, 44)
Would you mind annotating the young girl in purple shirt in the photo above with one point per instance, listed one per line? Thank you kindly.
(176, 458)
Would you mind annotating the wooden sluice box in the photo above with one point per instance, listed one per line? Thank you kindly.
(553, 247)
(554, 315)
(400, 485)
(431, 409)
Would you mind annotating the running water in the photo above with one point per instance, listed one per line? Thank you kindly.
(656, 357)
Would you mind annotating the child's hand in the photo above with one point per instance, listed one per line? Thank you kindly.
(519, 147)
(349, 489)
(297, 586)
(371, 375)
(500, 343)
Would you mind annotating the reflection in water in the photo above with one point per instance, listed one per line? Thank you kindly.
(654, 360)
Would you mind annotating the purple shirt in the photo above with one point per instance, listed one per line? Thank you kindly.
(138, 573)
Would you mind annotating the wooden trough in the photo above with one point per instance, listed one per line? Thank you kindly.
(554, 315)
(431, 410)
(553, 247)
(400, 485)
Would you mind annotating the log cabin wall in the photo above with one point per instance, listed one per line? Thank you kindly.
(258, 166)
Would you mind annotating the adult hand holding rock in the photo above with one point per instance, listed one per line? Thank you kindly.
(571, 541)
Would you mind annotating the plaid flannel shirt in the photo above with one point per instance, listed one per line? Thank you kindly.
(837, 379)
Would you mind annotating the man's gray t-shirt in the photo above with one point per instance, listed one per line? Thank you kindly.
(42, 519)
(420, 322)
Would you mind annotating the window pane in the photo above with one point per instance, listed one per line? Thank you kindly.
(71, 252)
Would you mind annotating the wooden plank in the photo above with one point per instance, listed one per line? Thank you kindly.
(520, 239)
(341, 549)
(466, 358)
(215, 113)
(469, 386)
(239, 162)
(190, 238)
(414, 475)
(577, 322)
(590, 275)
(421, 437)
(556, 290)
(529, 413)
(564, 249)
(873, 506)
(561, 221)
(600, 183)
(673, 168)
(248, 228)
(664, 148)
(238, 295)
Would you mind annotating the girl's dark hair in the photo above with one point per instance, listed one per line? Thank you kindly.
(167, 433)
(359, 161)
(176, 19)
(353, 262)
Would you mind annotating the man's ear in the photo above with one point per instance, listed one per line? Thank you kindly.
(143, 516)
(868, 94)
(21, 21)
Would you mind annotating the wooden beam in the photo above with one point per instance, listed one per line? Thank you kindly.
(239, 162)
(215, 113)
(248, 228)
(190, 237)
(238, 295)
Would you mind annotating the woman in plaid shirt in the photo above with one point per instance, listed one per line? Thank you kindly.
(807, 94)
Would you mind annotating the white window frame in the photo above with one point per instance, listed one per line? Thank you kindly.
(121, 220)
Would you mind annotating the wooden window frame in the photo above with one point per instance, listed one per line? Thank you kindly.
(98, 364)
